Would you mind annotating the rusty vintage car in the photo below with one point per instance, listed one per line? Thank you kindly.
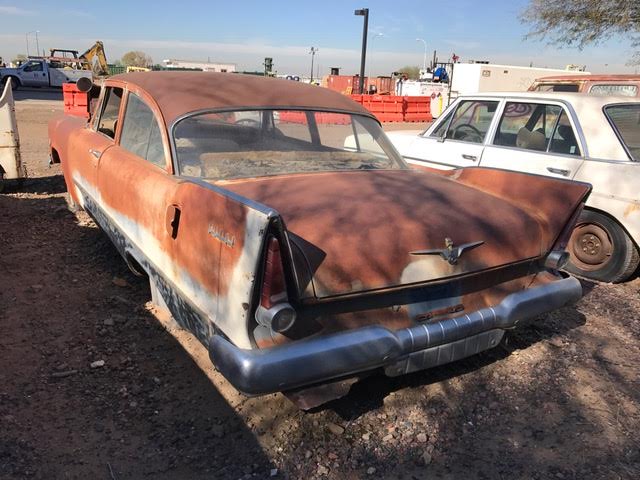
(277, 223)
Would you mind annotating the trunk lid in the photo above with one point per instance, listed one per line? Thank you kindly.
(356, 230)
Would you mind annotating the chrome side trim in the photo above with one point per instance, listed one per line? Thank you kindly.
(323, 358)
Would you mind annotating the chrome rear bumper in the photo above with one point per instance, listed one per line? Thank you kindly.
(323, 358)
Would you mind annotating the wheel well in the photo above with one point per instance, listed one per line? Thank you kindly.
(55, 158)
(134, 265)
(15, 79)
(611, 217)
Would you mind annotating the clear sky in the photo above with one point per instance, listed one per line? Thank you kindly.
(246, 31)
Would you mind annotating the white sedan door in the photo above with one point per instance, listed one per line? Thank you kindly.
(535, 137)
(456, 140)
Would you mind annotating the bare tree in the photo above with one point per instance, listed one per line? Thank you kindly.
(136, 59)
(583, 22)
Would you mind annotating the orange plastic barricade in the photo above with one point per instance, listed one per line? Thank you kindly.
(75, 102)
(417, 109)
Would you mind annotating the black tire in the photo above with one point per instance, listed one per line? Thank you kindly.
(601, 249)
(14, 85)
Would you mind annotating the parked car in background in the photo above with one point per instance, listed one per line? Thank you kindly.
(566, 135)
(617, 85)
(276, 222)
(40, 72)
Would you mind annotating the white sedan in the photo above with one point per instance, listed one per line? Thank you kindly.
(567, 135)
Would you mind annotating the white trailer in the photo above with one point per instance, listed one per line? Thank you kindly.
(40, 72)
(472, 78)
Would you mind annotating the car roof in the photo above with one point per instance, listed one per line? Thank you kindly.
(591, 77)
(574, 98)
(179, 93)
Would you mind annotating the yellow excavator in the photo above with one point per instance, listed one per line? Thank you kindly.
(96, 59)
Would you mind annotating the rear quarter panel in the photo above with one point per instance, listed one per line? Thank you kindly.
(615, 191)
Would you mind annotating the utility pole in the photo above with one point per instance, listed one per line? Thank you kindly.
(363, 12)
(424, 60)
(313, 52)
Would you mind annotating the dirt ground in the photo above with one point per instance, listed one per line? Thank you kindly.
(93, 386)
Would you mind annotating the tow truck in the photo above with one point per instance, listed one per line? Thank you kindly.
(62, 66)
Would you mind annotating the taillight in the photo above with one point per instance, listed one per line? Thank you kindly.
(273, 284)
(274, 311)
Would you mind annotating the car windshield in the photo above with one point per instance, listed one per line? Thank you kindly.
(240, 144)
(626, 122)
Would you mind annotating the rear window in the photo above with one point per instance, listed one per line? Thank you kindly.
(244, 144)
(619, 90)
(625, 120)
(557, 87)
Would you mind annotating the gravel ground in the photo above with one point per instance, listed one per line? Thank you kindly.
(93, 385)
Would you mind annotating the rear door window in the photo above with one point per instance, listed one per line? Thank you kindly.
(470, 122)
(625, 120)
(141, 132)
(527, 125)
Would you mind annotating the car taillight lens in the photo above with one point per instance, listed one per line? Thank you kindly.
(274, 311)
(273, 285)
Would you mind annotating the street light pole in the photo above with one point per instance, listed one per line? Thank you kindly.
(363, 12)
(37, 45)
(373, 37)
(424, 61)
(313, 54)
(26, 37)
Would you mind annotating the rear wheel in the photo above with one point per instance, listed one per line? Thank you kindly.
(601, 249)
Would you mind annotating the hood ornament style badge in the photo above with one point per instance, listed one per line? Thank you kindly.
(450, 252)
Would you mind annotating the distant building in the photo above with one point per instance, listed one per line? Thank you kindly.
(204, 66)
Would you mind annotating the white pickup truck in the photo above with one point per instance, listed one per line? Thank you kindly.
(40, 72)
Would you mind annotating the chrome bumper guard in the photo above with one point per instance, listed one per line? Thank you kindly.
(323, 358)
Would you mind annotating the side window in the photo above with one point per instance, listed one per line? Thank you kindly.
(564, 138)
(625, 120)
(471, 120)
(33, 67)
(442, 128)
(527, 125)
(141, 132)
(108, 120)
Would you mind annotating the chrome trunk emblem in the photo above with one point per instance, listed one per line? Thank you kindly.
(450, 253)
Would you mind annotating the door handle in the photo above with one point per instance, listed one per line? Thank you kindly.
(95, 153)
(172, 220)
(473, 158)
(559, 171)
